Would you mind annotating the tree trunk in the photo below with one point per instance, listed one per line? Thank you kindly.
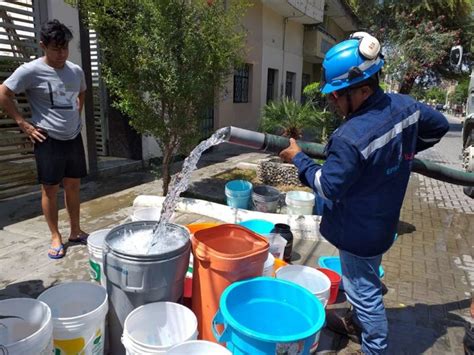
(407, 84)
(165, 170)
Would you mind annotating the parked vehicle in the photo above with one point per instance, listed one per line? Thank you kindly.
(468, 135)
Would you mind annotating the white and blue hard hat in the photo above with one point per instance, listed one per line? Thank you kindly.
(350, 62)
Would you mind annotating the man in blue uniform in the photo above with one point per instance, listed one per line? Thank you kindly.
(365, 176)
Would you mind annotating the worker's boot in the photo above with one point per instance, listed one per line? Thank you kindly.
(344, 325)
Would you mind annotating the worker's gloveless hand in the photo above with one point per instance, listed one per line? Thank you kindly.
(289, 153)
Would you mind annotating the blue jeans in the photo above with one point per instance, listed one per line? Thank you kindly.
(363, 288)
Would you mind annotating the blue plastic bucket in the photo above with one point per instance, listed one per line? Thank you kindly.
(259, 226)
(334, 263)
(264, 315)
(238, 193)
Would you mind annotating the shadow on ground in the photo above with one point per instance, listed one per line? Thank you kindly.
(23, 289)
(414, 329)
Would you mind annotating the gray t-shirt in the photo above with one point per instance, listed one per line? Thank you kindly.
(52, 94)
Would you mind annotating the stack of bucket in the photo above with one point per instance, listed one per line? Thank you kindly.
(238, 193)
(265, 198)
(95, 246)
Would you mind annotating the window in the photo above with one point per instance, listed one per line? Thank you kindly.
(271, 84)
(290, 84)
(241, 84)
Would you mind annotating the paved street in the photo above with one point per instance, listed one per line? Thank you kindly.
(429, 270)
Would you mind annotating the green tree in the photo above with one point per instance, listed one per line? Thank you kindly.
(417, 36)
(459, 96)
(164, 61)
(435, 94)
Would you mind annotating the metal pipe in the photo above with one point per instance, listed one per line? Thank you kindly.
(275, 144)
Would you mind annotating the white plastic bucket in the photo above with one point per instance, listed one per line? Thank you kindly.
(277, 245)
(78, 311)
(146, 214)
(29, 331)
(198, 347)
(95, 245)
(268, 265)
(156, 327)
(300, 202)
(313, 280)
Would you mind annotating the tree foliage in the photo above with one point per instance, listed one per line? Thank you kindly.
(164, 60)
(417, 35)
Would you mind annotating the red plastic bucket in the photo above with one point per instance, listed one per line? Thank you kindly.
(335, 279)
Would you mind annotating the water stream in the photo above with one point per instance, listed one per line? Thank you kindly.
(180, 182)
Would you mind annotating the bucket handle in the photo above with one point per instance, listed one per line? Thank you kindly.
(219, 319)
(201, 255)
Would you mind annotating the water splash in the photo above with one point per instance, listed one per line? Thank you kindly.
(180, 182)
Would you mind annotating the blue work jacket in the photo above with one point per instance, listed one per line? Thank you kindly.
(365, 176)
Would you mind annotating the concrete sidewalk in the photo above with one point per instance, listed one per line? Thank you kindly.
(429, 271)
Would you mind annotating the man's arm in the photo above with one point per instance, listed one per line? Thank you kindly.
(432, 126)
(332, 179)
(8, 105)
(80, 101)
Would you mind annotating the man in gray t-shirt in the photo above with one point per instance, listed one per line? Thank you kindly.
(55, 89)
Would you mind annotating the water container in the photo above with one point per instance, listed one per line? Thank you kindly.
(136, 279)
(259, 226)
(300, 202)
(78, 311)
(95, 246)
(265, 315)
(284, 231)
(269, 265)
(146, 214)
(188, 281)
(238, 193)
(313, 280)
(222, 255)
(157, 327)
(265, 198)
(334, 263)
(335, 279)
(198, 347)
(26, 327)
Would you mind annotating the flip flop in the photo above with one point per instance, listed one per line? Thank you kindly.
(81, 238)
(57, 250)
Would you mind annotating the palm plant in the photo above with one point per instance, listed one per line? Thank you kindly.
(289, 118)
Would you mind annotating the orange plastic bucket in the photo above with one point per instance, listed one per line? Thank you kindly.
(222, 255)
(188, 280)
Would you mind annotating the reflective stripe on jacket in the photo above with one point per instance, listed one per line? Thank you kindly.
(366, 173)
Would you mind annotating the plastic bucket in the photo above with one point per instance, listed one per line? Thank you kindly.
(95, 246)
(198, 347)
(156, 327)
(300, 202)
(334, 263)
(238, 193)
(335, 279)
(268, 316)
(135, 279)
(265, 198)
(146, 214)
(188, 280)
(78, 311)
(222, 255)
(311, 279)
(30, 328)
(269, 265)
(259, 226)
